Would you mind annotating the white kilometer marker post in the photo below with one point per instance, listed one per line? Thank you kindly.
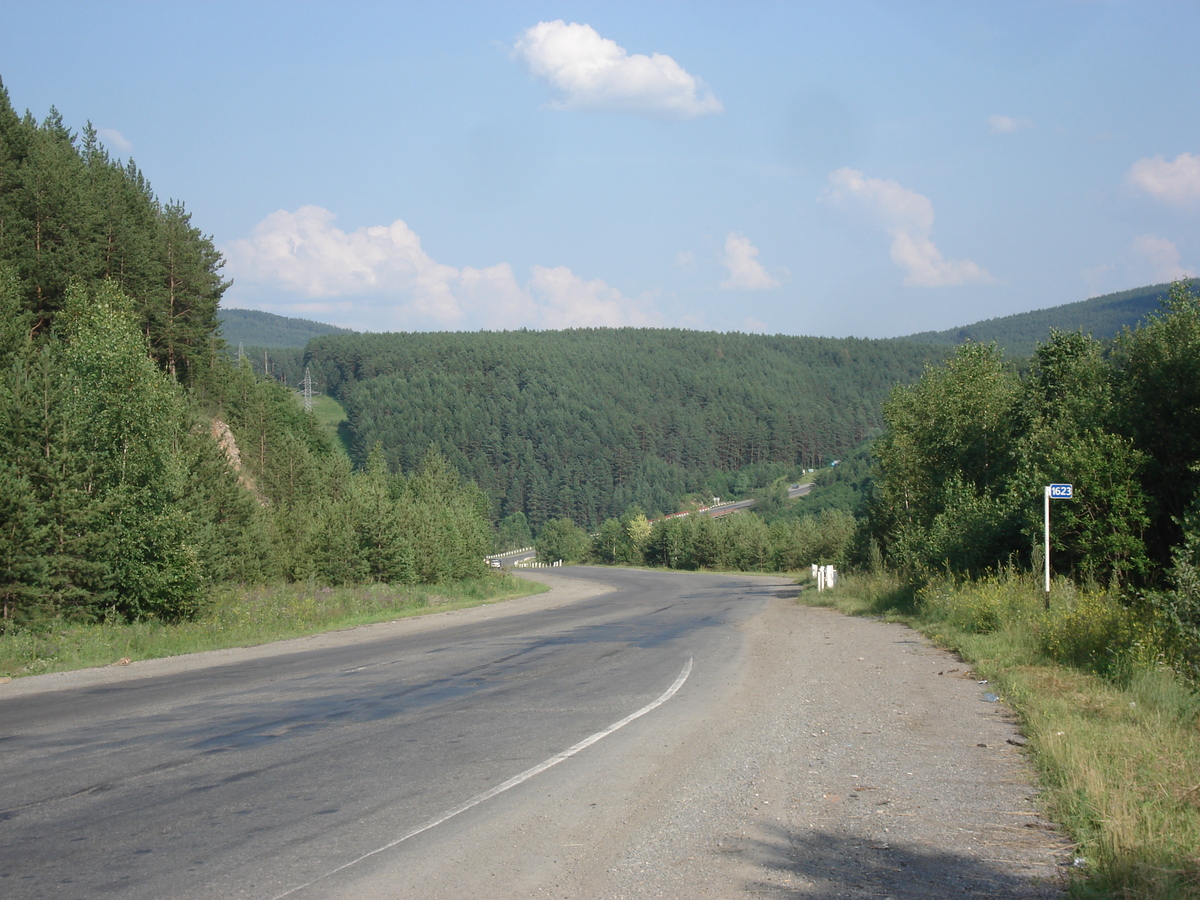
(1053, 492)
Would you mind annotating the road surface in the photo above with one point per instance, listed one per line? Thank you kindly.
(680, 736)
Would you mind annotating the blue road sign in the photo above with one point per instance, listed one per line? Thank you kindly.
(1061, 492)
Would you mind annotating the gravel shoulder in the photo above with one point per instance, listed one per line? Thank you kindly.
(857, 761)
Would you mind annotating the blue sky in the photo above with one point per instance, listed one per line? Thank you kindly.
(848, 168)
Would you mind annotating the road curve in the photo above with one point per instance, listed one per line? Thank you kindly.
(663, 735)
(249, 778)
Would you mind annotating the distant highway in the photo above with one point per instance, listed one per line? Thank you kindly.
(800, 490)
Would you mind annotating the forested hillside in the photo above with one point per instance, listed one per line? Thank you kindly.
(271, 345)
(139, 465)
(1018, 335)
(583, 423)
(261, 329)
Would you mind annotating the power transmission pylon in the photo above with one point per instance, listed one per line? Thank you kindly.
(307, 384)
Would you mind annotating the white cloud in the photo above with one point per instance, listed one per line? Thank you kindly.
(1007, 124)
(306, 253)
(1176, 182)
(685, 260)
(754, 326)
(565, 300)
(496, 299)
(745, 271)
(908, 218)
(595, 73)
(379, 277)
(115, 139)
(1161, 256)
(1148, 259)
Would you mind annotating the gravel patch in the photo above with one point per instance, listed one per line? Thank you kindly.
(858, 761)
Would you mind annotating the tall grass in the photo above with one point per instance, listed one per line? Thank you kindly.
(875, 594)
(239, 617)
(1112, 730)
(331, 415)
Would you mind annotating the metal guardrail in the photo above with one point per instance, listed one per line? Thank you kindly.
(508, 553)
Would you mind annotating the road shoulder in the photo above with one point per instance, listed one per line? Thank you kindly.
(562, 591)
(856, 760)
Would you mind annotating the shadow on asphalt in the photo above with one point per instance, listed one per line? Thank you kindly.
(821, 865)
(783, 592)
(791, 592)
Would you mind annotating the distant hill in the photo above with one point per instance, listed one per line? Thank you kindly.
(261, 329)
(1019, 334)
(584, 422)
(1102, 317)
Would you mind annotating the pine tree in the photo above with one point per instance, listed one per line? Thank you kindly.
(182, 312)
(381, 543)
(44, 242)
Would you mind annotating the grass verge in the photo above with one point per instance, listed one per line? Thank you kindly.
(1112, 731)
(332, 417)
(241, 617)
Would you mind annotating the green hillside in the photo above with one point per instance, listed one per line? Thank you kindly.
(584, 422)
(1103, 317)
(253, 328)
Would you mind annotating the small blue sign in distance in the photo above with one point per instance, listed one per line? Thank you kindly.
(1061, 492)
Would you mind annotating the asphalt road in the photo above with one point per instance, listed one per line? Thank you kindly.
(296, 773)
(793, 493)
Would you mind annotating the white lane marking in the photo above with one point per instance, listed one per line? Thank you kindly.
(512, 782)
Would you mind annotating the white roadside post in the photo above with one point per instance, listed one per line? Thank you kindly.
(1053, 492)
